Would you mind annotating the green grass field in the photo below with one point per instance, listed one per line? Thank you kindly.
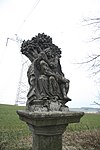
(12, 130)
(88, 122)
(15, 135)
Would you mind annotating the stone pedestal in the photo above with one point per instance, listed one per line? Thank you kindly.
(47, 127)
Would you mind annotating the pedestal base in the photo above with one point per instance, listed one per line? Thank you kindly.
(48, 137)
(47, 127)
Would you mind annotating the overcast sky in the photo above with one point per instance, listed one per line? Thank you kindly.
(63, 21)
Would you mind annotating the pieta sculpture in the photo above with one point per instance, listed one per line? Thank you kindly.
(48, 86)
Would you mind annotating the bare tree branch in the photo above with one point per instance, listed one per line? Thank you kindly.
(94, 39)
(92, 21)
(91, 59)
(97, 103)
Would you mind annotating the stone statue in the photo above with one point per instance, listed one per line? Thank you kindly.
(46, 113)
(48, 86)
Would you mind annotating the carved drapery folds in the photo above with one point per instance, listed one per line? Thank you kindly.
(48, 86)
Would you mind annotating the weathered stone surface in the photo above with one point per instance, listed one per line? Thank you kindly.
(47, 127)
(51, 142)
(49, 118)
(46, 113)
(48, 85)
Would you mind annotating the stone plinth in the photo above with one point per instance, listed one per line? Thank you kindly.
(47, 127)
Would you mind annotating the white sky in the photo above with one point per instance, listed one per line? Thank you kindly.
(62, 20)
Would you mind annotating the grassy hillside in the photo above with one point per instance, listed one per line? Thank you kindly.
(9, 120)
(15, 135)
(12, 130)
